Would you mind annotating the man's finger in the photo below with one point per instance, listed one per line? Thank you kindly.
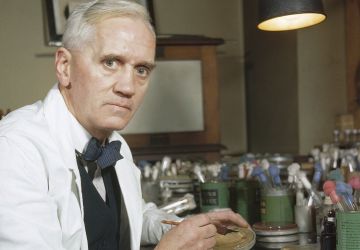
(228, 217)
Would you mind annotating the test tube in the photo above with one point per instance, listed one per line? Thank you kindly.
(344, 190)
(317, 176)
(260, 174)
(307, 185)
(329, 188)
(274, 172)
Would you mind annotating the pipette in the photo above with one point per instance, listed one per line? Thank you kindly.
(317, 176)
(274, 172)
(300, 199)
(180, 205)
(293, 170)
(315, 197)
(350, 162)
(344, 190)
(355, 183)
(165, 164)
(329, 188)
(260, 174)
(198, 173)
(241, 170)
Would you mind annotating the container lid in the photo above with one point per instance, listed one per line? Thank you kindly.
(281, 238)
(244, 239)
(270, 229)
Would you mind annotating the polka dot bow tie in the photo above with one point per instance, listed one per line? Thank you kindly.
(104, 156)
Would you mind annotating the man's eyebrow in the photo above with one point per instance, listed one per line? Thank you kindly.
(149, 65)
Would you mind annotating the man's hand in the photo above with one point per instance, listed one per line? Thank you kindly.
(198, 232)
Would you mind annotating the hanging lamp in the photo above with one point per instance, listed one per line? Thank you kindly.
(280, 15)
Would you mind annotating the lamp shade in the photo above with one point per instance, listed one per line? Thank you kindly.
(279, 15)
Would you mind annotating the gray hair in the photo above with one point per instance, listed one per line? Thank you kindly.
(80, 26)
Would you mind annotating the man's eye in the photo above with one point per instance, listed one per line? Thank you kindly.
(110, 63)
(142, 71)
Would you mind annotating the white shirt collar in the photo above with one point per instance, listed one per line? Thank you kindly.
(78, 133)
(80, 136)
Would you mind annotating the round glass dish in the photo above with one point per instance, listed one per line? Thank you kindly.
(244, 239)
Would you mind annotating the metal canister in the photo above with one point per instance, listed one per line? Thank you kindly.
(347, 230)
(248, 200)
(214, 195)
(277, 206)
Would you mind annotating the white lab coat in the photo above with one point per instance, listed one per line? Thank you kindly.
(40, 189)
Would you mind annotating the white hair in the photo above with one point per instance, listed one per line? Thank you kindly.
(80, 26)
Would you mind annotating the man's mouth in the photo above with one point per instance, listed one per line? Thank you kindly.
(121, 105)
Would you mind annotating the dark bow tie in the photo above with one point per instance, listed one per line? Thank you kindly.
(104, 156)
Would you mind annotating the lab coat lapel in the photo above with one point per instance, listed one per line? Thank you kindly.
(57, 116)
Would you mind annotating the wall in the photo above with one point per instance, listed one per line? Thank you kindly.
(221, 19)
(271, 80)
(26, 74)
(322, 79)
(295, 83)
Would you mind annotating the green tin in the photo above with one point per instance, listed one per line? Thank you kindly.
(347, 230)
(214, 195)
(277, 206)
(248, 200)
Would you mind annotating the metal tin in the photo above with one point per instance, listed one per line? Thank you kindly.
(247, 195)
(214, 195)
(277, 206)
(347, 230)
(265, 229)
(276, 239)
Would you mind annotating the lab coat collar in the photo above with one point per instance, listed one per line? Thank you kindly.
(58, 116)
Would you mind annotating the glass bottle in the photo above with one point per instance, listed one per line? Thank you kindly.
(328, 235)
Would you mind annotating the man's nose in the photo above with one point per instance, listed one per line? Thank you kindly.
(125, 81)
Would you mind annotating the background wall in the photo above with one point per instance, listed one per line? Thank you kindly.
(221, 19)
(321, 77)
(26, 74)
(295, 80)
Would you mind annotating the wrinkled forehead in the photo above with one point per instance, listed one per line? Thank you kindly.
(94, 20)
(123, 35)
(115, 29)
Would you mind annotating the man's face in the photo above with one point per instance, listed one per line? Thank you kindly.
(108, 78)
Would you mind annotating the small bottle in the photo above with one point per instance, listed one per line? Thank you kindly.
(328, 235)
(321, 213)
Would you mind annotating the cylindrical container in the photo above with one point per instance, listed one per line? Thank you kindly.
(305, 218)
(214, 195)
(277, 206)
(248, 200)
(347, 230)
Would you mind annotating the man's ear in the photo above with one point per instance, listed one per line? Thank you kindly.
(62, 66)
